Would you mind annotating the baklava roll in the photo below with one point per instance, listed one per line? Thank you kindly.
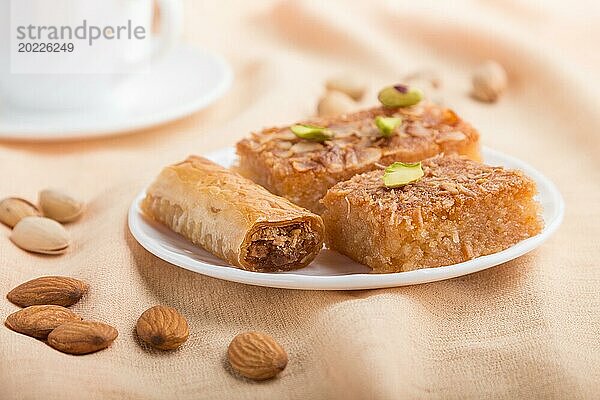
(233, 218)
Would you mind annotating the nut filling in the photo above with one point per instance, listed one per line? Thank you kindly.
(281, 247)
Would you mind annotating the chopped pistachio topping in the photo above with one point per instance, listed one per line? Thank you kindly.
(386, 125)
(312, 132)
(399, 96)
(400, 174)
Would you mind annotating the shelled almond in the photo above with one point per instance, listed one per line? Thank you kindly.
(63, 328)
(57, 290)
(82, 337)
(39, 321)
(162, 327)
(256, 356)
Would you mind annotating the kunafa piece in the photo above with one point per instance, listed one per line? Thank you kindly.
(233, 218)
(300, 162)
(454, 211)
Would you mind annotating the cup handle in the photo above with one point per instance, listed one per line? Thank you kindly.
(171, 22)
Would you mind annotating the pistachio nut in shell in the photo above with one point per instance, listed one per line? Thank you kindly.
(59, 206)
(13, 209)
(347, 84)
(489, 81)
(335, 103)
(40, 235)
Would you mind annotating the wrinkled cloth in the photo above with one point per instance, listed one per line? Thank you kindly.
(529, 328)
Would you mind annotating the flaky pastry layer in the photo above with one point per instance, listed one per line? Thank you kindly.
(233, 218)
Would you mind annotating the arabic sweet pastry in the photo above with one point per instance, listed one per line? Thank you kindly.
(233, 218)
(301, 162)
(452, 211)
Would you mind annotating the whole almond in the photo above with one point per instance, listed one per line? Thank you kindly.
(335, 103)
(40, 235)
(59, 206)
(162, 327)
(13, 209)
(39, 321)
(82, 337)
(58, 290)
(256, 355)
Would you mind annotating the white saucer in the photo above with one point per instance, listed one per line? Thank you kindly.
(187, 80)
(330, 270)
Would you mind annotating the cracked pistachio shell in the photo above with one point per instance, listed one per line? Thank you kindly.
(334, 103)
(40, 235)
(349, 85)
(13, 209)
(59, 206)
(489, 82)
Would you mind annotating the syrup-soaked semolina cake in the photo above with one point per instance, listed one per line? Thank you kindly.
(460, 209)
(303, 170)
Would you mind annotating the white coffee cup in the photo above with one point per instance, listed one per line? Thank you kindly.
(88, 76)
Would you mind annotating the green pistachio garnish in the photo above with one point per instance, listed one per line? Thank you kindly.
(399, 96)
(311, 132)
(400, 174)
(386, 125)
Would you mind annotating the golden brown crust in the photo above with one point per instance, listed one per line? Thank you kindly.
(447, 180)
(226, 213)
(459, 210)
(302, 171)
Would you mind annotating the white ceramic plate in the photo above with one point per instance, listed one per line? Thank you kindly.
(330, 270)
(187, 80)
